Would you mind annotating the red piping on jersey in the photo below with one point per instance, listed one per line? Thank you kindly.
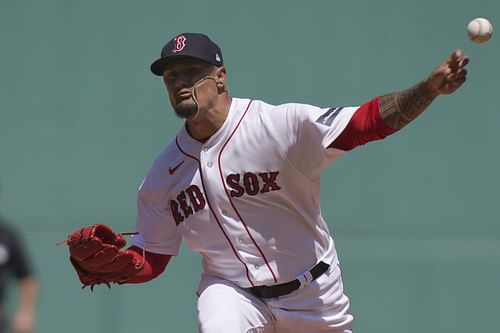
(213, 212)
(231, 201)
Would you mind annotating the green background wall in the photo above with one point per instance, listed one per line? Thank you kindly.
(415, 217)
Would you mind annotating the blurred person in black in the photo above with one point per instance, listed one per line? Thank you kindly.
(14, 264)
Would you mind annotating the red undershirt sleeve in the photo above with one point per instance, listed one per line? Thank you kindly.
(154, 264)
(365, 125)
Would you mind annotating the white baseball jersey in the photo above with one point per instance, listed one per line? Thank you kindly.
(247, 199)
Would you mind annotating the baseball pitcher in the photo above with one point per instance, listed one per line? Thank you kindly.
(241, 184)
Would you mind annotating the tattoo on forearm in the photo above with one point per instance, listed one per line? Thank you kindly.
(400, 108)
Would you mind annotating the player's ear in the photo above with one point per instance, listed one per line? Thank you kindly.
(221, 74)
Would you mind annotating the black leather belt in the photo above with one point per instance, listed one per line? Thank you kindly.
(282, 289)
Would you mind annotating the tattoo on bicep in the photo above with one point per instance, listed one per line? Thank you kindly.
(400, 108)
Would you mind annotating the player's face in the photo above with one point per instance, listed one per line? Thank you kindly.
(179, 77)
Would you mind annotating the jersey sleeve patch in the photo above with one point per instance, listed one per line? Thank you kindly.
(329, 116)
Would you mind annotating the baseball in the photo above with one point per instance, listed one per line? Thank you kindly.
(479, 30)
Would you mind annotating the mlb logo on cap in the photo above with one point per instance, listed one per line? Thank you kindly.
(192, 45)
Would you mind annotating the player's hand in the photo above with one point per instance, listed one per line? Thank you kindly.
(449, 75)
(23, 321)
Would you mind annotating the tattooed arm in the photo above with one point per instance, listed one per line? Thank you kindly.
(386, 114)
(400, 108)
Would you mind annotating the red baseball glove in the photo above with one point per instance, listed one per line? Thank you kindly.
(95, 254)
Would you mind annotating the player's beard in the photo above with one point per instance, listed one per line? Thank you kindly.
(186, 109)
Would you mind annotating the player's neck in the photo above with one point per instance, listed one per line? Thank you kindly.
(209, 121)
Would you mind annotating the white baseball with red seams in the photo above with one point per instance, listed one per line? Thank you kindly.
(479, 30)
(234, 197)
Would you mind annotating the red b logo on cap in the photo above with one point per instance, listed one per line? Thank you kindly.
(180, 43)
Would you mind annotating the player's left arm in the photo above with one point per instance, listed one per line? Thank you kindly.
(154, 264)
(25, 315)
(400, 108)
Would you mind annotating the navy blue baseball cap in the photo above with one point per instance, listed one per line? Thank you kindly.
(188, 44)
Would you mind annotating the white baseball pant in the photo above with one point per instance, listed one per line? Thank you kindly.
(320, 306)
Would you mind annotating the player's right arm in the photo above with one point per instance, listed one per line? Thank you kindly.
(388, 113)
(400, 108)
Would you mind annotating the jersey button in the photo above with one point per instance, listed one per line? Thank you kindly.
(205, 149)
(209, 164)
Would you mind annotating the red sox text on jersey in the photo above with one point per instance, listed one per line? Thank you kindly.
(249, 183)
(252, 183)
